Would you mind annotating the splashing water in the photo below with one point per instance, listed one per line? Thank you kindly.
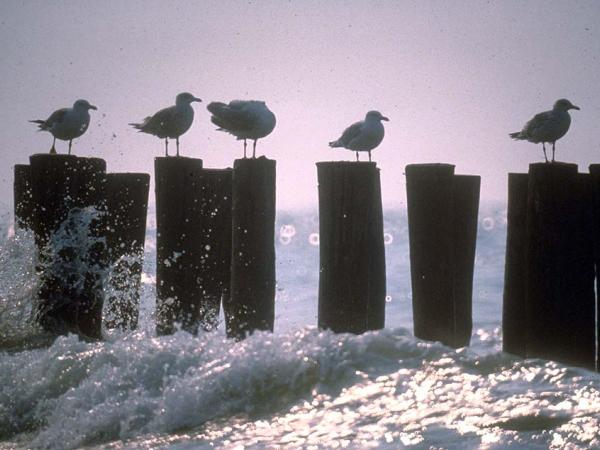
(296, 388)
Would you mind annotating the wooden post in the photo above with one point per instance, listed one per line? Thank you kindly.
(514, 311)
(179, 244)
(442, 219)
(215, 232)
(127, 206)
(560, 294)
(465, 208)
(352, 256)
(69, 238)
(23, 204)
(595, 176)
(251, 305)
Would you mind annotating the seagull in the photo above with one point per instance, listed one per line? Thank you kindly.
(67, 124)
(245, 119)
(363, 136)
(547, 126)
(170, 122)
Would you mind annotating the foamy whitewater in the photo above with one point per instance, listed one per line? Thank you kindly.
(296, 388)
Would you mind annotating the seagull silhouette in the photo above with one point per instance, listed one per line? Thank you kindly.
(67, 124)
(245, 119)
(547, 126)
(170, 122)
(363, 136)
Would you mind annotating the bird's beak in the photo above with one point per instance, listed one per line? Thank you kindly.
(575, 107)
(385, 118)
(93, 107)
(196, 99)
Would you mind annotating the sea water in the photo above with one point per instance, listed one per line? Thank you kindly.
(298, 387)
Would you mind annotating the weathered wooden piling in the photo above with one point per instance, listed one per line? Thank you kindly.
(595, 177)
(179, 250)
(69, 237)
(560, 265)
(23, 203)
(127, 206)
(514, 311)
(215, 231)
(352, 280)
(251, 305)
(465, 207)
(442, 222)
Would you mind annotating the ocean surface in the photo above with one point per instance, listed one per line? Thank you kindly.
(296, 388)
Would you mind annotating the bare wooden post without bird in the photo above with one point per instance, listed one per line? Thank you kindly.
(251, 305)
(127, 206)
(442, 219)
(595, 176)
(352, 255)
(23, 204)
(514, 310)
(69, 238)
(215, 232)
(560, 263)
(179, 244)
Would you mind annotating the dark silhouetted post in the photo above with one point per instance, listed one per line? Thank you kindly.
(442, 220)
(23, 203)
(69, 200)
(595, 176)
(251, 305)
(127, 206)
(352, 256)
(465, 206)
(560, 294)
(179, 244)
(514, 311)
(215, 232)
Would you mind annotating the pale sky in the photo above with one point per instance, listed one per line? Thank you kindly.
(453, 77)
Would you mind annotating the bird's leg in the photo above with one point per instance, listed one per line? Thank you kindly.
(166, 146)
(553, 151)
(369, 155)
(53, 149)
(254, 149)
(544, 148)
(245, 144)
(177, 143)
(70, 142)
(357, 156)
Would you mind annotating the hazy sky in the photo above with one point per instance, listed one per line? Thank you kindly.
(453, 77)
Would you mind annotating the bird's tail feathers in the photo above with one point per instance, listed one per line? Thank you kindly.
(518, 135)
(41, 124)
(140, 126)
(335, 144)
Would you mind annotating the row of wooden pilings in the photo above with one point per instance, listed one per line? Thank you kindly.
(215, 245)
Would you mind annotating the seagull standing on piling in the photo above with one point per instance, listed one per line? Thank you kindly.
(245, 119)
(363, 136)
(547, 126)
(67, 124)
(170, 122)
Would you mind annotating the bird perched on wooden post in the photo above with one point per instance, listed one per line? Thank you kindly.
(67, 124)
(363, 136)
(170, 122)
(245, 119)
(547, 126)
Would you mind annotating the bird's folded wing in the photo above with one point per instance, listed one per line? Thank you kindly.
(351, 133)
(235, 116)
(539, 123)
(56, 117)
(161, 120)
